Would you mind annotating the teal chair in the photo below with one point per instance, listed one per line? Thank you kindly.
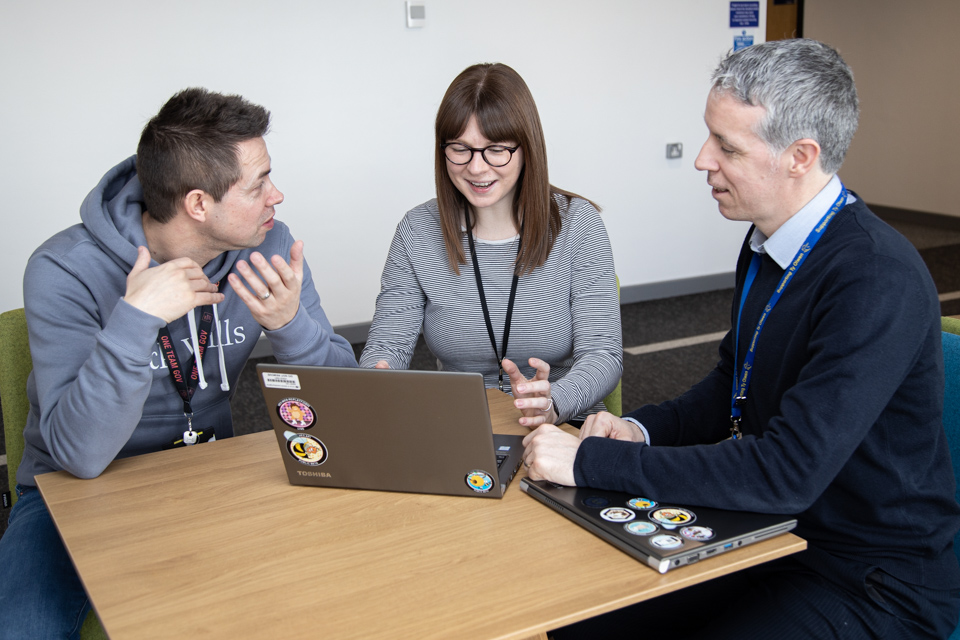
(951, 408)
(15, 367)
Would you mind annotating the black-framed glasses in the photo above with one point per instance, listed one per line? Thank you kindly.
(496, 155)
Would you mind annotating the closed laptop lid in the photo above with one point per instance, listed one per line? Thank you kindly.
(662, 535)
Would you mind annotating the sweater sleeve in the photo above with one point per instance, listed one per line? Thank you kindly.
(595, 310)
(863, 342)
(91, 382)
(400, 307)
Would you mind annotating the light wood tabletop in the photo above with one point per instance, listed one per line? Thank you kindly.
(212, 541)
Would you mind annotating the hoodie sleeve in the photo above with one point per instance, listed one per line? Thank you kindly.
(90, 366)
(309, 338)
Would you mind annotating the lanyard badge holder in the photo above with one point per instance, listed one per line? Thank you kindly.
(187, 386)
(742, 382)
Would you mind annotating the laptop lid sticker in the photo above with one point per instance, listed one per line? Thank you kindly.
(480, 481)
(296, 413)
(274, 380)
(305, 448)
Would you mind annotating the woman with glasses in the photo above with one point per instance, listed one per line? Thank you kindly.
(506, 275)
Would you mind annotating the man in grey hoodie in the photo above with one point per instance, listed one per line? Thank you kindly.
(178, 254)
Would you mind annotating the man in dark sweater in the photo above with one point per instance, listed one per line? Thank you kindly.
(827, 400)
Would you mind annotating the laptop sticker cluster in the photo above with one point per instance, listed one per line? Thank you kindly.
(664, 520)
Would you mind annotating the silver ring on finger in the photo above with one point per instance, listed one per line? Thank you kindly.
(549, 407)
(265, 296)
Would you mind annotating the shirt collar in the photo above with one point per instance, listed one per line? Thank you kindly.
(786, 241)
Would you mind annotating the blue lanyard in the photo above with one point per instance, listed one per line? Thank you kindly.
(742, 382)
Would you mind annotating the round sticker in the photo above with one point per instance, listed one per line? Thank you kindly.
(479, 481)
(641, 503)
(666, 541)
(697, 533)
(672, 517)
(306, 449)
(640, 528)
(596, 502)
(296, 413)
(617, 514)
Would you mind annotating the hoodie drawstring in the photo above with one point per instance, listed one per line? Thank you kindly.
(225, 382)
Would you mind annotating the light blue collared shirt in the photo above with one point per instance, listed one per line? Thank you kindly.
(786, 241)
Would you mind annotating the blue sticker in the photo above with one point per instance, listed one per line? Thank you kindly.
(744, 14)
(641, 503)
(479, 481)
(640, 528)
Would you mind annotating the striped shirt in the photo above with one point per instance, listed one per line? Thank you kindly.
(566, 311)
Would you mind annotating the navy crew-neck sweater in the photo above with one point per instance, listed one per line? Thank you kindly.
(842, 420)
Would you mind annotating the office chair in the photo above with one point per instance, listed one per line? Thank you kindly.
(15, 367)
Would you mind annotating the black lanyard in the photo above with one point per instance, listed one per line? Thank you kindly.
(483, 298)
(187, 386)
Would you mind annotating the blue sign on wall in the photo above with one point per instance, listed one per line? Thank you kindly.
(742, 41)
(744, 14)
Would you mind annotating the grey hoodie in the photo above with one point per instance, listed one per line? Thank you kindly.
(100, 389)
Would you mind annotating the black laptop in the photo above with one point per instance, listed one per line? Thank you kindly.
(663, 536)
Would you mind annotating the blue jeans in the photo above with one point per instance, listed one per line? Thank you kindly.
(40, 593)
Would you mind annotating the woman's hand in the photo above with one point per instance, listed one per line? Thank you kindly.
(532, 397)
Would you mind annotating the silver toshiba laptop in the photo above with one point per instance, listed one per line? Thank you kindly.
(663, 536)
(388, 430)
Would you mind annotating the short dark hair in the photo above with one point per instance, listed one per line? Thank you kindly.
(807, 90)
(192, 143)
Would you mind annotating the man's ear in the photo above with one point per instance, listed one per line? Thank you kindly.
(804, 157)
(197, 204)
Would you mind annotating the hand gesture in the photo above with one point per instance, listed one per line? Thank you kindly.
(273, 296)
(169, 290)
(532, 397)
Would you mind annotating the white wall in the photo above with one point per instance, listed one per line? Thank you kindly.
(353, 94)
(904, 58)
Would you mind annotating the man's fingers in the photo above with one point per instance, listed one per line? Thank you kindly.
(143, 261)
(296, 258)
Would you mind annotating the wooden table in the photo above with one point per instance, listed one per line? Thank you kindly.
(213, 542)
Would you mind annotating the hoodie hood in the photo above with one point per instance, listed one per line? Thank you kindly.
(112, 215)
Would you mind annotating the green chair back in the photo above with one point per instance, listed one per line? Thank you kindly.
(15, 367)
(614, 401)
